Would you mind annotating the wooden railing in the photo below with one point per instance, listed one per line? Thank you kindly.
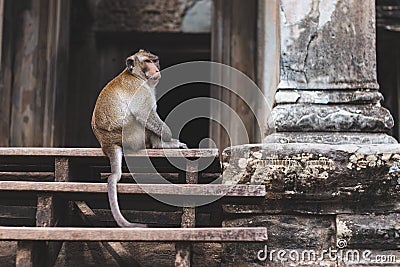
(38, 187)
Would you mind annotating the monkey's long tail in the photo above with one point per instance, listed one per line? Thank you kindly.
(113, 199)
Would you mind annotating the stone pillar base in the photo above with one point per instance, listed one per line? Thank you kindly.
(331, 138)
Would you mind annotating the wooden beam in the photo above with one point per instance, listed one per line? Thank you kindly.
(17, 212)
(161, 189)
(149, 176)
(86, 213)
(229, 234)
(97, 152)
(27, 176)
(49, 176)
(100, 217)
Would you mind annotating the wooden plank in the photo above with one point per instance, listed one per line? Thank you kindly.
(97, 152)
(99, 217)
(229, 234)
(164, 189)
(17, 212)
(86, 213)
(147, 176)
(27, 176)
(161, 218)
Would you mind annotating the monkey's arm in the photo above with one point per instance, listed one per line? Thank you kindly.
(152, 122)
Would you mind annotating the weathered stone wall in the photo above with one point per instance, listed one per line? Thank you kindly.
(320, 197)
(152, 15)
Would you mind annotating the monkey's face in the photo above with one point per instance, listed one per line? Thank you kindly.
(151, 68)
(144, 64)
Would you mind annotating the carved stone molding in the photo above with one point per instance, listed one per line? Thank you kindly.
(332, 118)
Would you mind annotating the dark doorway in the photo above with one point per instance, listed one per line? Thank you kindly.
(388, 68)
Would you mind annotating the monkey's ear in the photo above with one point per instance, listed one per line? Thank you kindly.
(130, 63)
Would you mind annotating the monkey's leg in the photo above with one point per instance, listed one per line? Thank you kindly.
(115, 156)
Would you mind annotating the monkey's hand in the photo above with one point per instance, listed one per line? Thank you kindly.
(174, 143)
(180, 144)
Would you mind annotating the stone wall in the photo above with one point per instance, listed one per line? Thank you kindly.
(152, 15)
(340, 198)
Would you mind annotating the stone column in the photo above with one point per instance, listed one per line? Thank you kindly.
(328, 90)
(341, 188)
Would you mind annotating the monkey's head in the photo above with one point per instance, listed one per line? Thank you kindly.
(145, 65)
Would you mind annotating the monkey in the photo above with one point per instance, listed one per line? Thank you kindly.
(127, 103)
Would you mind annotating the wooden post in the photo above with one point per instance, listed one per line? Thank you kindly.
(56, 80)
(27, 93)
(48, 215)
(184, 249)
(28, 254)
(6, 44)
(235, 47)
(1, 26)
(39, 30)
(62, 169)
(40, 253)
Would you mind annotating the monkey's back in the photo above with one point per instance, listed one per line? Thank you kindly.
(112, 109)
